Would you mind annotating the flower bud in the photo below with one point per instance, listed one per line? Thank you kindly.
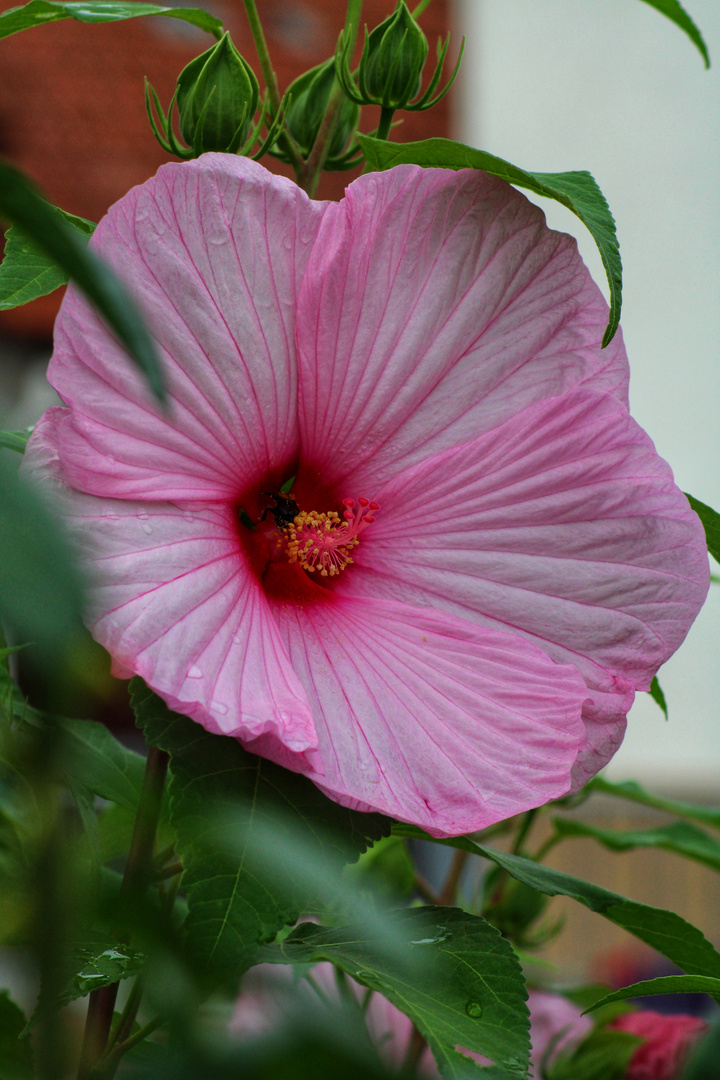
(392, 61)
(309, 96)
(217, 96)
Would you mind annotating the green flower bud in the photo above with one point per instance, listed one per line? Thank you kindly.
(309, 96)
(392, 61)
(217, 97)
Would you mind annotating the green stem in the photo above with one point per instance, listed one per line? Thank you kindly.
(263, 55)
(419, 8)
(386, 119)
(138, 871)
(523, 831)
(415, 1050)
(288, 145)
(546, 847)
(105, 1068)
(449, 889)
(123, 1028)
(168, 872)
(425, 889)
(308, 176)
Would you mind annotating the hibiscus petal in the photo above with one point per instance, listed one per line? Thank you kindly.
(429, 718)
(434, 306)
(563, 524)
(172, 598)
(212, 251)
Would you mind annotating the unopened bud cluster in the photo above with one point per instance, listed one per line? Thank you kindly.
(217, 97)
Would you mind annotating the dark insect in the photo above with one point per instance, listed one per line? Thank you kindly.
(284, 511)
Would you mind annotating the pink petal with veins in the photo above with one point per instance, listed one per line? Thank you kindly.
(213, 252)
(427, 343)
(172, 599)
(429, 718)
(563, 525)
(435, 306)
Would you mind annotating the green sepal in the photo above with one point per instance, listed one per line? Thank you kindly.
(308, 98)
(217, 97)
(392, 61)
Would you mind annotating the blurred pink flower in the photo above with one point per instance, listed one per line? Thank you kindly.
(427, 344)
(667, 1043)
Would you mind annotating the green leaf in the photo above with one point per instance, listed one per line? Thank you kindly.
(677, 13)
(40, 12)
(15, 440)
(577, 191)
(711, 523)
(666, 984)
(631, 790)
(385, 869)
(90, 755)
(26, 271)
(89, 965)
(238, 819)
(46, 226)
(657, 695)
(40, 590)
(456, 978)
(100, 965)
(16, 1057)
(679, 837)
(603, 1055)
(93, 758)
(665, 931)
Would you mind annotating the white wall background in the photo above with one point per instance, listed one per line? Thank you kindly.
(614, 87)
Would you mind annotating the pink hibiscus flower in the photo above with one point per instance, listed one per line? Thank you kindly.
(666, 1046)
(426, 345)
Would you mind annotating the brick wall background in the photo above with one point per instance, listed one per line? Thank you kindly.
(72, 110)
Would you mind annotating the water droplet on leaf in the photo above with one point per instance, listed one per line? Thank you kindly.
(474, 1009)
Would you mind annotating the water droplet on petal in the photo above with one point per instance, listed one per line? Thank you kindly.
(474, 1009)
(218, 706)
(194, 672)
(147, 528)
(237, 639)
(189, 516)
(143, 517)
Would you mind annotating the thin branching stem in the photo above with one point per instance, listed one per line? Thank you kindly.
(419, 8)
(309, 175)
(138, 872)
(449, 889)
